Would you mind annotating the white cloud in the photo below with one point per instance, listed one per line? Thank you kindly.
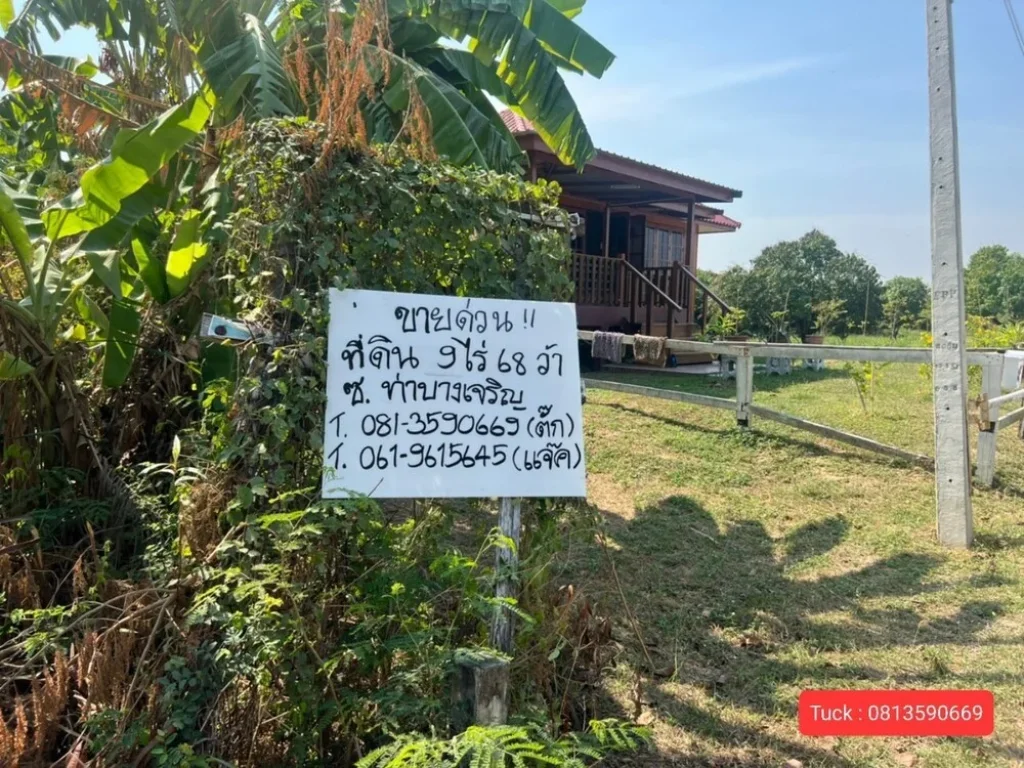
(619, 97)
(720, 79)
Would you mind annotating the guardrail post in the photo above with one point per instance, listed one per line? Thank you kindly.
(744, 387)
(949, 363)
(991, 387)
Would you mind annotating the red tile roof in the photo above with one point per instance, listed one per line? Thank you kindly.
(720, 220)
(515, 123)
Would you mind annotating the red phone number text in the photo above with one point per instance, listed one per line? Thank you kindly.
(897, 713)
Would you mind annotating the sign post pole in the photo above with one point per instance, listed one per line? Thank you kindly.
(507, 561)
(952, 450)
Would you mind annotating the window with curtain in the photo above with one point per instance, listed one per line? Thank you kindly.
(663, 248)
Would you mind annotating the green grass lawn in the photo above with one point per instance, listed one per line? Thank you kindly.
(760, 563)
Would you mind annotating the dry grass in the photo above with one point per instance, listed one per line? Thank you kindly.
(766, 562)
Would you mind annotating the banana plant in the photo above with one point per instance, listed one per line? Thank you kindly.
(102, 219)
(48, 305)
(517, 50)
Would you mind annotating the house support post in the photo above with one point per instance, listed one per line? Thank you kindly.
(607, 231)
(744, 387)
(991, 387)
(690, 256)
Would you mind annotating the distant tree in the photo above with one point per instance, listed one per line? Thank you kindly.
(793, 276)
(710, 279)
(828, 315)
(853, 280)
(904, 303)
(994, 283)
(735, 287)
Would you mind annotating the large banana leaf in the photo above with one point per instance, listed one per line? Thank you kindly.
(151, 270)
(250, 68)
(136, 157)
(26, 203)
(12, 367)
(461, 131)
(568, 8)
(562, 36)
(477, 81)
(409, 35)
(102, 246)
(56, 16)
(123, 341)
(188, 253)
(462, 68)
(530, 38)
(13, 227)
(6, 14)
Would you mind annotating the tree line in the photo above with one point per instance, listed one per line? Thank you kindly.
(809, 286)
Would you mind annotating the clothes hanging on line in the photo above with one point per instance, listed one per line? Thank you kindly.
(607, 346)
(650, 350)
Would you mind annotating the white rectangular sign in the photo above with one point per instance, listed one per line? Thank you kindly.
(441, 397)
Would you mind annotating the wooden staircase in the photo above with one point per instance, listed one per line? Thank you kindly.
(655, 300)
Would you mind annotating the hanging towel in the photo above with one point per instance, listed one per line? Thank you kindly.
(607, 346)
(649, 350)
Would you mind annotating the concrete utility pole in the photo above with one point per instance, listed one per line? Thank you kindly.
(949, 370)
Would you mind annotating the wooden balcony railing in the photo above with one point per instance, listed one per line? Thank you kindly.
(614, 282)
(598, 280)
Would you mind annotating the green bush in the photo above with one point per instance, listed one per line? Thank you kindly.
(256, 624)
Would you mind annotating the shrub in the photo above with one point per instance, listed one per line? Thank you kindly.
(231, 615)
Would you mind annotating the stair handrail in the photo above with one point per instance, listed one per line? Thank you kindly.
(668, 299)
(725, 307)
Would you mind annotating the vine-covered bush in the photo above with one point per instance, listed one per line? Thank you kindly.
(305, 224)
(242, 619)
(387, 221)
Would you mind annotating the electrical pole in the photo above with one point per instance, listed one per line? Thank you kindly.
(949, 370)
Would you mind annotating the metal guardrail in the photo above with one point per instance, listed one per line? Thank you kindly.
(989, 422)
(815, 351)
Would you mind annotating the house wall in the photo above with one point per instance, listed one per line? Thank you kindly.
(598, 317)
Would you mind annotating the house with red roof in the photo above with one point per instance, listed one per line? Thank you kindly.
(637, 242)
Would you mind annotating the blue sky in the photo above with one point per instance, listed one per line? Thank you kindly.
(816, 109)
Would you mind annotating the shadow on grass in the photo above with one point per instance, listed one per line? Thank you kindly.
(764, 382)
(754, 436)
(714, 385)
(719, 608)
(995, 542)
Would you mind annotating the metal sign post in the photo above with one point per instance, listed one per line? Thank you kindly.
(952, 450)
